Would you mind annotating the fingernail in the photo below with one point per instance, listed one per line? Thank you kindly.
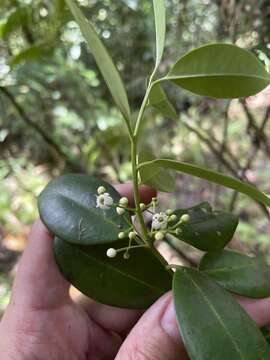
(169, 323)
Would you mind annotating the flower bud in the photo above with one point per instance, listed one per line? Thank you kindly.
(178, 231)
(172, 218)
(132, 235)
(111, 253)
(142, 206)
(101, 190)
(123, 201)
(120, 211)
(185, 218)
(121, 235)
(126, 256)
(169, 212)
(159, 236)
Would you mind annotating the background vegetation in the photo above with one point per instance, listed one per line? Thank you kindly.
(56, 114)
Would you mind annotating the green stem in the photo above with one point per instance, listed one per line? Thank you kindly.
(137, 191)
(135, 173)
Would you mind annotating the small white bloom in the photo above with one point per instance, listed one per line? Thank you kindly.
(120, 211)
(101, 190)
(123, 201)
(159, 236)
(185, 218)
(159, 221)
(104, 201)
(111, 253)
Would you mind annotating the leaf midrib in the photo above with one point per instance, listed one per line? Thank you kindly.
(219, 318)
(202, 75)
(160, 290)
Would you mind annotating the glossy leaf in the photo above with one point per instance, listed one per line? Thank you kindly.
(154, 176)
(207, 230)
(212, 324)
(160, 22)
(158, 99)
(220, 71)
(212, 176)
(103, 60)
(133, 283)
(67, 206)
(238, 273)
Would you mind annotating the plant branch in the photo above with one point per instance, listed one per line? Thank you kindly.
(26, 118)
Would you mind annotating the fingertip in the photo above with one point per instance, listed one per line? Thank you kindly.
(39, 230)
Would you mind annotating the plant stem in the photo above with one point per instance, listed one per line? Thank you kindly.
(135, 171)
(136, 190)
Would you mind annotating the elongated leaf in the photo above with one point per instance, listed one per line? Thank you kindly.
(238, 273)
(207, 230)
(67, 206)
(32, 53)
(212, 324)
(158, 99)
(212, 176)
(220, 71)
(103, 60)
(160, 22)
(154, 176)
(133, 283)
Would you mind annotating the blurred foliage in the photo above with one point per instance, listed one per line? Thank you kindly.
(57, 115)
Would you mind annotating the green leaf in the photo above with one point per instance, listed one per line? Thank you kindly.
(238, 273)
(160, 22)
(67, 206)
(212, 324)
(220, 71)
(210, 175)
(15, 20)
(32, 53)
(133, 283)
(103, 60)
(155, 176)
(158, 99)
(207, 230)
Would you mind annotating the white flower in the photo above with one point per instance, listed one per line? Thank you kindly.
(104, 201)
(111, 253)
(159, 221)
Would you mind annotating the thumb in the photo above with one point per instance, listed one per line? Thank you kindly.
(38, 283)
(155, 336)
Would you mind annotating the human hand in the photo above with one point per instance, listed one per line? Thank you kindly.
(42, 322)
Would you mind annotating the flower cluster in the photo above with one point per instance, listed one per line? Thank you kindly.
(162, 222)
(104, 201)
